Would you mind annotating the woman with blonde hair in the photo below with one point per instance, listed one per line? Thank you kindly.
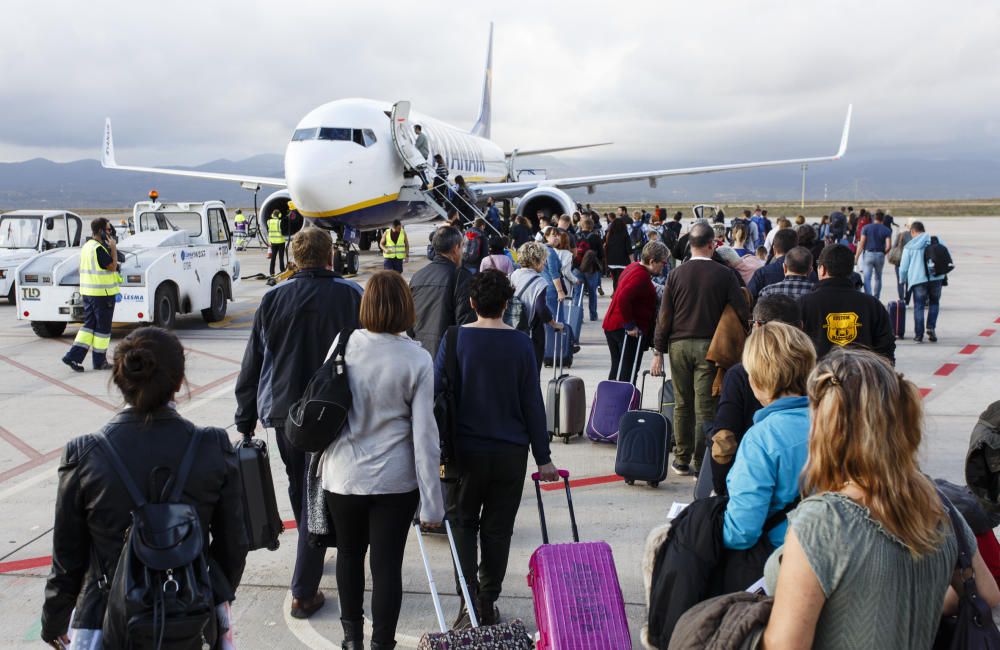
(869, 555)
(530, 288)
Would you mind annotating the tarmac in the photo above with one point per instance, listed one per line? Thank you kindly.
(45, 404)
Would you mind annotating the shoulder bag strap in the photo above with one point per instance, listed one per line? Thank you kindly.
(780, 516)
(119, 466)
(187, 462)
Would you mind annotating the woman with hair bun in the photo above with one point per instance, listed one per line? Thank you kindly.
(93, 510)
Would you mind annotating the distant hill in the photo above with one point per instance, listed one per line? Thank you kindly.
(42, 183)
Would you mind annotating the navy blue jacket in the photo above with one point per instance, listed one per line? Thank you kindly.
(766, 275)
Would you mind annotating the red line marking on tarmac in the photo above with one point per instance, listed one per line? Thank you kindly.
(584, 482)
(21, 565)
(987, 333)
(946, 369)
(55, 382)
(997, 320)
(924, 392)
(214, 356)
(21, 445)
(969, 349)
(210, 385)
(31, 464)
(290, 524)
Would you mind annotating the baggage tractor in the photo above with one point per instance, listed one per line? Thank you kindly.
(565, 402)
(897, 316)
(551, 341)
(644, 441)
(260, 507)
(612, 400)
(578, 600)
(510, 635)
(574, 318)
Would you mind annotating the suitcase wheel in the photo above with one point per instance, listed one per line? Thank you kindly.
(551, 437)
(566, 440)
(629, 481)
(654, 484)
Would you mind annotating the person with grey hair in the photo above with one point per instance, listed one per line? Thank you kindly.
(530, 289)
(696, 294)
(441, 291)
(629, 322)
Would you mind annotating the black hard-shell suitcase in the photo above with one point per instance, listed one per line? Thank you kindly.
(644, 441)
(897, 316)
(260, 507)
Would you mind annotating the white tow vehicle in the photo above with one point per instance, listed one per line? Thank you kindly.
(25, 233)
(179, 261)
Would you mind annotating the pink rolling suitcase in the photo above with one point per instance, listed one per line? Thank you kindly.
(613, 399)
(578, 601)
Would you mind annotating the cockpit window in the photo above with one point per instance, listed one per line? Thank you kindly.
(364, 137)
(330, 133)
(369, 137)
(304, 134)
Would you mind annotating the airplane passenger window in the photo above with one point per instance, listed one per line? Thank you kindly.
(304, 134)
(369, 137)
(331, 133)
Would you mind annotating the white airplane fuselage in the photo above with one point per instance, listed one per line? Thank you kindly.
(339, 176)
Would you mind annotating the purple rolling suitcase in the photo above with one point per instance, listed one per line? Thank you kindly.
(612, 400)
(578, 600)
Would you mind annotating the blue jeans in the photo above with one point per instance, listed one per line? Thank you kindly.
(926, 294)
(591, 282)
(872, 263)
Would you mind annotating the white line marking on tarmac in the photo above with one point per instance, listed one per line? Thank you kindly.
(202, 400)
(46, 473)
(307, 634)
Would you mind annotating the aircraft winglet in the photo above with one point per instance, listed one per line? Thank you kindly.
(847, 131)
(108, 154)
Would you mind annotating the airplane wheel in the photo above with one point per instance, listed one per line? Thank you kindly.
(217, 311)
(353, 262)
(48, 329)
(367, 239)
(338, 262)
(165, 307)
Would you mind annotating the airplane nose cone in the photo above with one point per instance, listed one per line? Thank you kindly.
(316, 178)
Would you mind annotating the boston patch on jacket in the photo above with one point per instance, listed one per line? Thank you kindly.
(842, 327)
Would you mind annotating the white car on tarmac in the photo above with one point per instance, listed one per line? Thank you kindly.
(179, 260)
(25, 233)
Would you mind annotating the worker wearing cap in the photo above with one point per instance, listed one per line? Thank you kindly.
(395, 249)
(240, 222)
(276, 238)
(99, 281)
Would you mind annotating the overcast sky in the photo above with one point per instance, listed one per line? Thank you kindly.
(674, 81)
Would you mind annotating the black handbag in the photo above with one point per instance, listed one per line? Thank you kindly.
(973, 628)
(315, 421)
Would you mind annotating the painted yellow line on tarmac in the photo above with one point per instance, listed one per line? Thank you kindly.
(227, 321)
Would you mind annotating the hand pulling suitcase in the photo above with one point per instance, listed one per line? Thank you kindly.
(574, 317)
(897, 316)
(503, 636)
(551, 340)
(611, 400)
(260, 507)
(565, 403)
(578, 600)
(644, 441)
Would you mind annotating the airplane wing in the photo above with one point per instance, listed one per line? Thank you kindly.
(515, 189)
(108, 162)
(535, 152)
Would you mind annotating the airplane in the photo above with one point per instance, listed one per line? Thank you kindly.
(351, 167)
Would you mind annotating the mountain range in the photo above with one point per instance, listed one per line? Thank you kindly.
(41, 183)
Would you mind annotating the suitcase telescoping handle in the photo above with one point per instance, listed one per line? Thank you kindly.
(433, 586)
(642, 390)
(536, 477)
(621, 360)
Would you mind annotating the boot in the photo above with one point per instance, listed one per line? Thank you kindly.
(489, 614)
(354, 635)
(377, 645)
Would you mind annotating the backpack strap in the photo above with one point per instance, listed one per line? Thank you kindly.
(119, 466)
(777, 518)
(187, 462)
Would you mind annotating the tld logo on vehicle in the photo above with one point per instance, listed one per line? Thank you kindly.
(31, 293)
(187, 255)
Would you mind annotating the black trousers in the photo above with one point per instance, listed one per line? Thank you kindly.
(616, 340)
(381, 522)
(487, 497)
(277, 250)
(308, 559)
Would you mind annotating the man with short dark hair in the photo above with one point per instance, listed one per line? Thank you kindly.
(836, 313)
(916, 274)
(395, 247)
(876, 238)
(293, 329)
(99, 282)
(785, 239)
(798, 265)
(695, 295)
(441, 291)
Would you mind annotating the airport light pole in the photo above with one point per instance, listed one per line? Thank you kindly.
(805, 166)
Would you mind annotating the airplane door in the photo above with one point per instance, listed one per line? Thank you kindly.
(402, 136)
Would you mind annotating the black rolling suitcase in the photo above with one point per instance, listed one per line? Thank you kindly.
(260, 507)
(897, 316)
(644, 439)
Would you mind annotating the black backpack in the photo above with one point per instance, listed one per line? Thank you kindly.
(315, 421)
(838, 226)
(938, 259)
(472, 249)
(161, 594)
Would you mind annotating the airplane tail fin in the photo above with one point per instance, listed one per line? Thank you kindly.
(482, 126)
(108, 153)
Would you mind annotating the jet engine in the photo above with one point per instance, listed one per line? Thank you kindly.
(550, 200)
(276, 201)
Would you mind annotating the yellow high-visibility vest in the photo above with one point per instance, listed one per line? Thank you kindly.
(95, 281)
(274, 235)
(394, 250)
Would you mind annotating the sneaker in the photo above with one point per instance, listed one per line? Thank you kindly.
(931, 336)
(681, 469)
(103, 366)
(462, 621)
(73, 364)
(489, 614)
(918, 339)
(600, 291)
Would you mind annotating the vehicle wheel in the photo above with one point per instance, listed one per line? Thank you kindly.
(48, 329)
(353, 262)
(12, 294)
(654, 484)
(629, 481)
(338, 262)
(165, 307)
(217, 311)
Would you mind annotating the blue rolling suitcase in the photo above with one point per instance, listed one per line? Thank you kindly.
(574, 318)
(551, 341)
(644, 441)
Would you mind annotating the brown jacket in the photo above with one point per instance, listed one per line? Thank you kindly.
(726, 348)
(730, 622)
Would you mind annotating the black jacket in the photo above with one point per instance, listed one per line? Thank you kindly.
(838, 314)
(93, 510)
(441, 298)
(293, 329)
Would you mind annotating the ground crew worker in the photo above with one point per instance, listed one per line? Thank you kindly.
(276, 238)
(240, 222)
(395, 248)
(99, 281)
